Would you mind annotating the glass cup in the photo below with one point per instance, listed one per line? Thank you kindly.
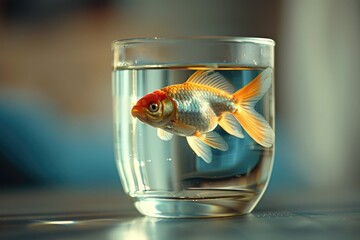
(203, 148)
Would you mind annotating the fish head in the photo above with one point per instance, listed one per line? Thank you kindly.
(155, 109)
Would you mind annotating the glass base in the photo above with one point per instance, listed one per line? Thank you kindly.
(196, 208)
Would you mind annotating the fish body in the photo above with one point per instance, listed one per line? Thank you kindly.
(195, 108)
(198, 106)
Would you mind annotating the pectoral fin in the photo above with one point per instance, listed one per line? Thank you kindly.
(164, 135)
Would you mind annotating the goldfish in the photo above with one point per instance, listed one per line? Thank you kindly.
(196, 107)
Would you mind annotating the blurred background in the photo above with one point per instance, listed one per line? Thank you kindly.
(55, 85)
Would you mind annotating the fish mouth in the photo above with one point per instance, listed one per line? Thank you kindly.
(137, 112)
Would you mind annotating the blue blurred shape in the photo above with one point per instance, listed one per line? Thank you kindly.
(41, 147)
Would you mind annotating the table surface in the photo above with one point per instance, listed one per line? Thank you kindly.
(110, 215)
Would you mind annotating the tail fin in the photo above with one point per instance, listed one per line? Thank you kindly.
(253, 123)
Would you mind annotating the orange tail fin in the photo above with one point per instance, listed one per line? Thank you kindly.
(253, 123)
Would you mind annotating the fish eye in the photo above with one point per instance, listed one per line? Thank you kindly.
(153, 107)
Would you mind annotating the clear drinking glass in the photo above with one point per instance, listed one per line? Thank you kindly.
(167, 178)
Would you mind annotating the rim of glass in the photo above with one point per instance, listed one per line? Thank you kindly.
(222, 39)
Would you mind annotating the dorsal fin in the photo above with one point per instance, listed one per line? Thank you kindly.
(211, 79)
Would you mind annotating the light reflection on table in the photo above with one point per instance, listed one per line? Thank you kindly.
(67, 220)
